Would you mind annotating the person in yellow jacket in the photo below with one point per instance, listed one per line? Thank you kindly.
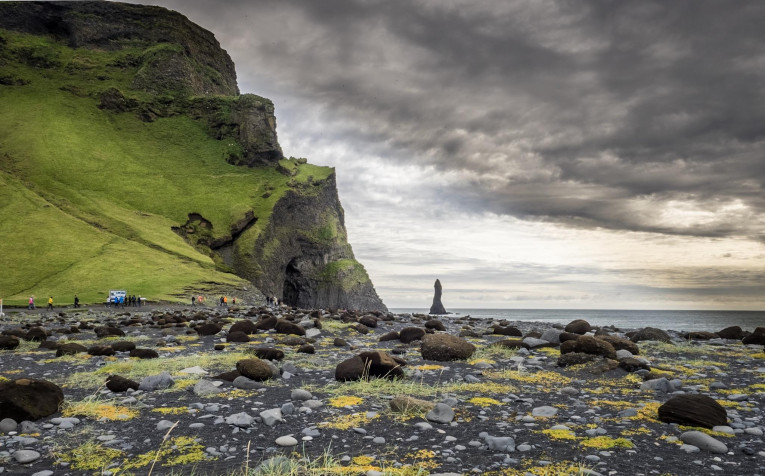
(50, 303)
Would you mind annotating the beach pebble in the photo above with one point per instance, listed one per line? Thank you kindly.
(206, 387)
(241, 420)
(45, 472)
(287, 440)
(245, 383)
(156, 382)
(441, 413)
(25, 456)
(569, 391)
(378, 440)
(8, 424)
(704, 442)
(423, 425)
(544, 411)
(271, 417)
(300, 394)
(163, 425)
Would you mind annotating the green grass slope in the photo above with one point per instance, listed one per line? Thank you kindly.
(88, 197)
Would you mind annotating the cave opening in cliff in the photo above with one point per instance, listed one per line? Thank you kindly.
(292, 287)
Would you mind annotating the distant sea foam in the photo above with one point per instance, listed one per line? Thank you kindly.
(675, 320)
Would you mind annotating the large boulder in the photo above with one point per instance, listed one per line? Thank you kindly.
(70, 348)
(650, 333)
(245, 325)
(576, 358)
(208, 329)
(123, 346)
(392, 335)
(237, 336)
(119, 384)
(732, 332)
(513, 344)
(507, 331)
(411, 334)
(101, 350)
(699, 335)
(29, 399)
(286, 327)
(369, 364)
(589, 345)
(254, 369)
(8, 342)
(757, 337)
(37, 334)
(579, 326)
(266, 323)
(144, 353)
(368, 321)
(108, 331)
(693, 410)
(268, 353)
(435, 324)
(445, 347)
(620, 343)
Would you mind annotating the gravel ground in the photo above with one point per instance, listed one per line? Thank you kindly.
(514, 411)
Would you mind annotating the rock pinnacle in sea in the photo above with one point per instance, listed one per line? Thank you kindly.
(437, 307)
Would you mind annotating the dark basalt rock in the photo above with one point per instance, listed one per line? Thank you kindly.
(20, 333)
(208, 329)
(435, 324)
(340, 342)
(268, 353)
(732, 332)
(286, 327)
(631, 364)
(8, 342)
(437, 307)
(445, 347)
(368, 321)
(564, 336)
(589, 345)
(650, 333)
(123, 346)
(699, 335)
(507, 331)
(369, 364)
(228, 376)
(70, 349)
(756, 338)
(620, 343)
(144, 353)
(579, 326)
(576, 358)
(29, 399)
(101, 350)
(411, 334)
(267, 323)
(108, 331)
(254, 369)
(693, 410)
(237, 336)
(306, 349)
(119, 384)
(393, 335)
(245, 325)
(36, 334)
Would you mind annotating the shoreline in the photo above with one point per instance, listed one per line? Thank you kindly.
(495, 394)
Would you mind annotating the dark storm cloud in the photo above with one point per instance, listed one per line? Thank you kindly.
(620, 115)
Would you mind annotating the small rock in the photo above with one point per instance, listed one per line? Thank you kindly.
(441, 413)
(704, 442)
(287, 440)
(25, 456)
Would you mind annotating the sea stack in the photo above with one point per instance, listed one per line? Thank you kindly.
(437, 307)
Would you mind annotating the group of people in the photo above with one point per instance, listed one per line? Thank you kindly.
(125, 301)
(31, 305)
(272, 301)
(223, 301)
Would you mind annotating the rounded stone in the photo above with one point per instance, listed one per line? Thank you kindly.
(286, 441)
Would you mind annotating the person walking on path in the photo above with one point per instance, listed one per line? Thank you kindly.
(50, 303)
(31, 302)
(193, 301)
(76, 301)
(225, 301)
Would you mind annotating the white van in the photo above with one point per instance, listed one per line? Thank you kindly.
(113, 294)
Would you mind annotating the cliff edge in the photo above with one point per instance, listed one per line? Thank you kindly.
(135, 162)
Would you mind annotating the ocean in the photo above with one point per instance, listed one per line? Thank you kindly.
(711, 321)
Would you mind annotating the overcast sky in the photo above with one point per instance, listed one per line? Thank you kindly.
(529, 154)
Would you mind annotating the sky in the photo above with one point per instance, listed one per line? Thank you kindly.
(531, 153)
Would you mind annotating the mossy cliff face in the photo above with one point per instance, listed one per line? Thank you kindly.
(304, 256)
(128, 159)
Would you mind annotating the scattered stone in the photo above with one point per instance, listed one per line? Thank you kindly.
(26, 456)
(255, 369)
(693, 410)
(156, 382)
(144, 353)
(29, 399)
(241, 420)
(445, 347)
(208, 329)
(271, 417)
(8, 342)
(579, 326)
(441, 413)
(650, 333)
(589, 345)
(704, 442)
(118, 384)
(205, 387)
(411, 334)
(286, 327)
(286, 441)
(544, 411)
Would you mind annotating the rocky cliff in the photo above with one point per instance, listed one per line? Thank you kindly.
(146, 102)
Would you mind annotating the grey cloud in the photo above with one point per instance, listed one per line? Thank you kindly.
(575, 112)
